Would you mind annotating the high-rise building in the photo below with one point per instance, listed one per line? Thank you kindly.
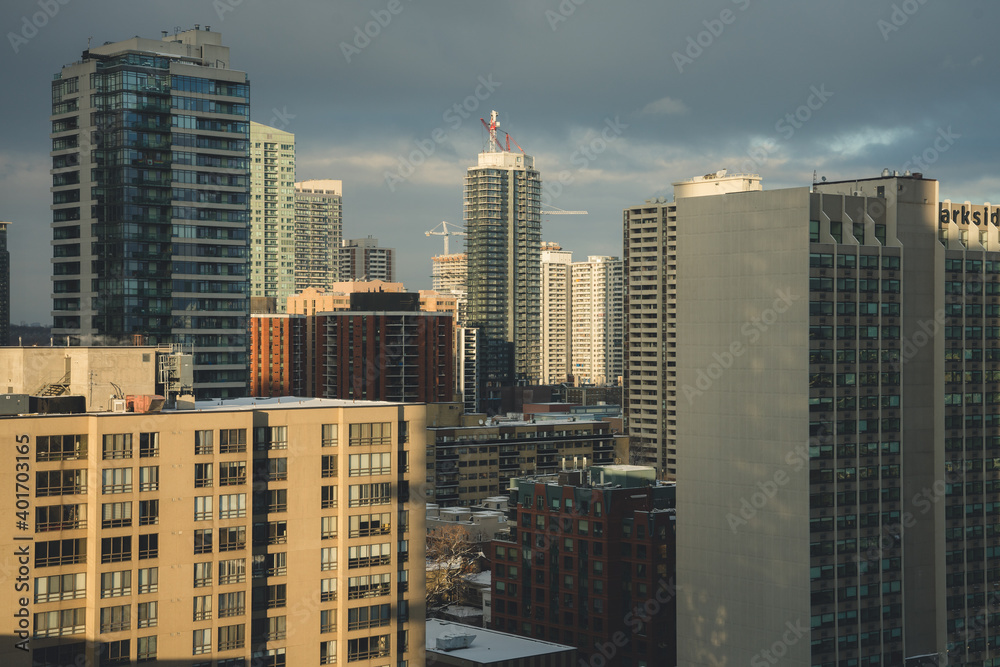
(598, 292)
(504, 235)
(836, 421)
(150, 202)
(272, 216)
(556, 315)
(243, 532)
(4, 285)
(318, 233)
(590, 562)
(449, 275)
(650, 319)
(364, 259)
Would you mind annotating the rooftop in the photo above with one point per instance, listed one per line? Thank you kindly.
(250, 403)
(489, 645)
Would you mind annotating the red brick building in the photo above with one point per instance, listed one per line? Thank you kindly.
(590, 562)
(383, 349)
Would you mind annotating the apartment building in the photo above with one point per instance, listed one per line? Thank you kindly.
(272, 216)
(596, 307)
(265, 532)
(319, 225)
(556, 313)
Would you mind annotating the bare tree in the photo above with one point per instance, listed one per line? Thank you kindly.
(450, 556)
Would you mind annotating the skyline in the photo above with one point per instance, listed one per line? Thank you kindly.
(629, 98)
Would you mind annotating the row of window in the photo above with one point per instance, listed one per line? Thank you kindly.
(851, 308)
(819, 260)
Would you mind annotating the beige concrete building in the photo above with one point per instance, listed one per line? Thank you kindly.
(96, 373)
(281, 532)
(319, 224)
(556, 315)
(596, 302)
(272, 211)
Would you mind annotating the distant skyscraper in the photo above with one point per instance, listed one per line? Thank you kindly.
(597, 325)
(318, 231)
(150, 210)
(556, 315)
(363, 259)
(449, 275)
(272, 211)
(504, 226)
(4, 286)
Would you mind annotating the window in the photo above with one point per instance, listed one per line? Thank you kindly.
(362, 618)
(329, 497)
(61, 587)
(203, 541)
(369, 555)
(60, 483)
(363, 495)
(116, 619)
(232, 473)
(149, 512)
(329, 465)
(117, 446)
(328, 558)
(115, 653)
(147, 614)
(270, 597)
(269, 629)
(232, 440)
(60, 447)
(404, 551)
(203, 442)
(202, 641)
(203, 508)
(60, 517)
(368, 586)
(202, 475)
(328, 620)
(233, 571)
(203, 574)
(116, 549)
(271, 437)
(277, 500)
(379, 433)
(233, 506)
(328, 527)
(149, 478)
(116, 584)
(146, 647)
(149, 546)
(275, 564)
(61, 622)
(202, 608)
(364, 465)
(404, 580)
(328, 590)
(367, 525)
(364, 648)
(329, 435)
(232, 604)
(233, 538)
(149, 445)
(328, 652)
(116, 480)
(149, 580)
(116, 515)
(272, 470)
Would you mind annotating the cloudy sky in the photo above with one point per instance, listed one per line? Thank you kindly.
(614, 99)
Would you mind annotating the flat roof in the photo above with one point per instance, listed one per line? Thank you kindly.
(489, 645)
(251, 403)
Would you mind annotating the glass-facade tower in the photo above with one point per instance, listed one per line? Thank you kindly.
(150, 176)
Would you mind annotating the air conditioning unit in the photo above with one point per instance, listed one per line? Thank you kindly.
(118, 405)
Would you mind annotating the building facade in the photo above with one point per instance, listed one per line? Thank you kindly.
(650, 318)
(836, 423)
(364, 259)
(249, 532)
(590, 562)
(319, 227)
(272, 215)
(556, 313)
(449, 275)
(597, 300)
(150, 209)
(504, 235)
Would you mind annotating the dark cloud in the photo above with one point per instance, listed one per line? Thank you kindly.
(900, 74)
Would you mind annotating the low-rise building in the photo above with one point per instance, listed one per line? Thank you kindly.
(451, 643)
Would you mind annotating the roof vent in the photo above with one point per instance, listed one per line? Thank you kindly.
(453, 641)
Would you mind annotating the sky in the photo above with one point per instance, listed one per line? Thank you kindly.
(615, 101)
